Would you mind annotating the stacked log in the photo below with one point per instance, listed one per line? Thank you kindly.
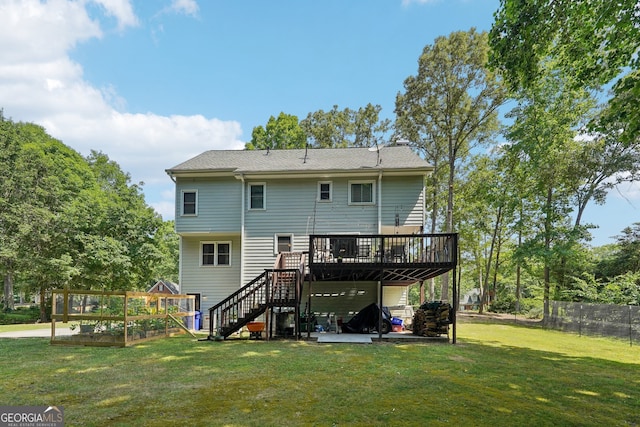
(432, 319)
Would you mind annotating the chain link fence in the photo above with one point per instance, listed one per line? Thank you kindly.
(620, 321)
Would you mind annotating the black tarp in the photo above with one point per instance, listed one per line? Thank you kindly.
(366, 320)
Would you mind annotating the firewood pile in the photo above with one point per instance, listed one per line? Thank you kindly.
(432, 319)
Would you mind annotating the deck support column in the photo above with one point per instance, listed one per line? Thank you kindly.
(380, 287)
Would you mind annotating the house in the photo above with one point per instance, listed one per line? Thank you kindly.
(470, 300)
(351, 219)
(164, 287)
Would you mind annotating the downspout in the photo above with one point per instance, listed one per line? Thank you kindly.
(424, 204)
(242, 204)
(380, 202)
(180, 259)
(380, 302)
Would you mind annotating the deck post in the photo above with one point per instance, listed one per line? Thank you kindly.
(381, 284)
(456, 290)
(268, 305)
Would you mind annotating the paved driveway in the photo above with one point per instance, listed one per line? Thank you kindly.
(37, 333)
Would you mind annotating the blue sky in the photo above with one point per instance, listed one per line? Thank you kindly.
(152, 83)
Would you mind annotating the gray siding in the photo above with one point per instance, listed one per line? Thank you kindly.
(218, 205)
(403, 196)
(291, 209)
(213, 283)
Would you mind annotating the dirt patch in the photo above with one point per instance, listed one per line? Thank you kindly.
(462, 359)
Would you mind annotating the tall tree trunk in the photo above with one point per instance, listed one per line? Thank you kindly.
(498, 248)
(8, 291)
(487, 269)
(445, 276)
(43, 305)
(483, 292)
(547, 248)
(518, 271)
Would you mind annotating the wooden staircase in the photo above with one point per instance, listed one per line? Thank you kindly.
(277, 287)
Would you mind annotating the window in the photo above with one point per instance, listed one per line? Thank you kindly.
(215, 253)
(361, 193)
(189, 202)
(257, 196)
(208, 253)
(324, 191)
(224, 254)
(283, 243)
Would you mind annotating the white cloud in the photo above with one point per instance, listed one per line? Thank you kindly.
(121, 10)
(40, 83)
(188, 7)
(35, 32)
(629, 191)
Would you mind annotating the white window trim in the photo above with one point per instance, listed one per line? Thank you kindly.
(216, 252)
(275, 241)
(182, 203)
(330, 191)
(264, 196)
(373, 193)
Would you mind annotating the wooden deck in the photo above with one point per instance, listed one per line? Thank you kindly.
(394, 259)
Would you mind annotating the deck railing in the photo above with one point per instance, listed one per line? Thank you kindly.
(383, 249)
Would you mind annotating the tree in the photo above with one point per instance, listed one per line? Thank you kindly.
(329, 129)
(450, 105)
(283, 132)
(547, 119)
(69, 221)
(168, 243)
(346, 128)
(595, 41)
(489, 206)
(127, 225)
(42, 177)
(626, 255)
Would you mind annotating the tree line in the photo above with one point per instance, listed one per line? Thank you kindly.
(73, 221)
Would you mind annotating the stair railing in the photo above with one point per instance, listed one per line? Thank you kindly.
(240, 307)
(280, 286)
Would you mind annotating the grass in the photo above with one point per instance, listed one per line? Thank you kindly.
(497, 374)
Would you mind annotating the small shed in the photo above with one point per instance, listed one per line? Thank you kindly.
(164, 287)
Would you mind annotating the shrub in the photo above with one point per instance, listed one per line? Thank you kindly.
(20, 315)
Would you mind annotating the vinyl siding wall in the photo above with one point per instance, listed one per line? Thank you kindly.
(291, 208)
(214, 283)
(403, 196)
(218, 205)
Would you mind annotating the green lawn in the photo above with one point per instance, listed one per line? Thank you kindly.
(497, 374)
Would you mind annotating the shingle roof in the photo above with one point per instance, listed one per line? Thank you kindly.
(313, 160)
